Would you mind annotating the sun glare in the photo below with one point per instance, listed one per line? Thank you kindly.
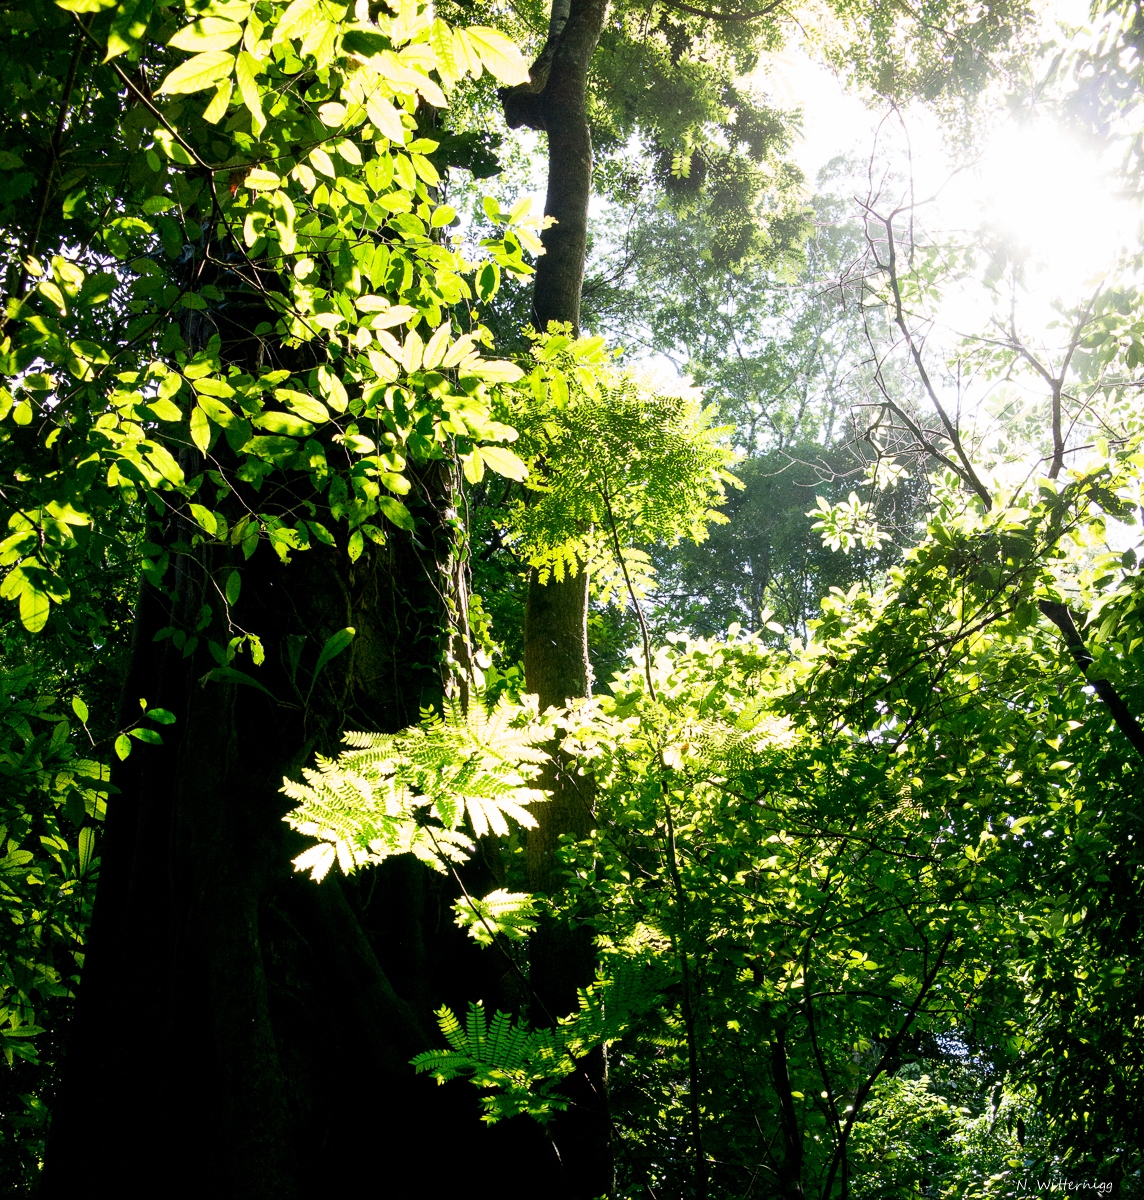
(1038, 191)
(1051, 202)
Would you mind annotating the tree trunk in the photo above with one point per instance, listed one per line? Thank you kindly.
(237, 1032)
(241, 1031)
(556, 614)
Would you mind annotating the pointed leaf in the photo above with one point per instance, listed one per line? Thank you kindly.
(198, 73)
(333, 647)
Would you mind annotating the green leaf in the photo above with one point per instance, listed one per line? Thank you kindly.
(34, 608)
(397, 513)
(15, 860)
(230, 675)
(150, 736)
(233, 587)
(162, 715)
(87, 846)
(333, 647)
(80, 709)
(128, 26)
(198, 73)
(207, 33)
(122, 745)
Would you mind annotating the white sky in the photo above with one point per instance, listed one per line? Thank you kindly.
(1040, 187)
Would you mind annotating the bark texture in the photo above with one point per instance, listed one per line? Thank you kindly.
(556, 617)
(555, 100)
(240, 1031)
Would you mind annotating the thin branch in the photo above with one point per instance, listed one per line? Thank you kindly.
(966, 471)
(891, 1049)
(711, 15)
(1062, 618)
(33, 241)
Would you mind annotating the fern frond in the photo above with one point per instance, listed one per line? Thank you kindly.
(510, 913)
(408, 793)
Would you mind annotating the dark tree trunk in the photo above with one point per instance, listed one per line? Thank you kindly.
(556, 615)
(240, 1030)
(790, 1167)
(237, 1032)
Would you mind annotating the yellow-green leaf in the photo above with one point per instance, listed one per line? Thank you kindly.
(504, 462)
(165, 410)
(332, 113)
(213, 387)
(200, 430)
(294, 20)
(87, 842)
(396, 512)
(307, 408)
(220, 102)
(198, 73)
(85, 6)
(499, 54)
(205, 518)
(385, 118)
(286, 423)
(475, 467)
(208, 33)
(323, 162)
(245, 71)
(436, 347)
(53, 293)
(261, 180)
(34, 608)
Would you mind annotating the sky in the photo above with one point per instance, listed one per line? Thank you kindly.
(1033, 182)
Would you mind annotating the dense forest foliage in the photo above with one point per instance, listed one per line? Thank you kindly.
(604, 699)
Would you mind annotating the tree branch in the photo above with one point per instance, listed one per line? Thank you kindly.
(32, 243)
(966, 471)
(1062, 618)
(717, 16)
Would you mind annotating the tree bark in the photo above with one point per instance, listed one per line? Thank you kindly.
(1126, 722)
(556, 615)
(241, 1031)
(555, 100)
(790, 1168)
